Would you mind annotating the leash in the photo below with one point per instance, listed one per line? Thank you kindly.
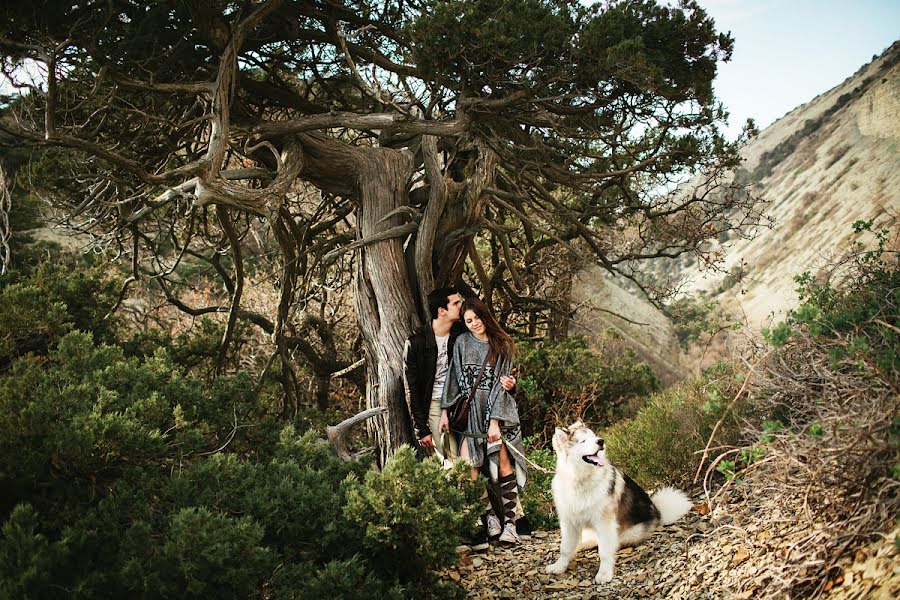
(509, 448)
(529, 462)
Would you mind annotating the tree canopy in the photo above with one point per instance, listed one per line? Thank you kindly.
(403, 145)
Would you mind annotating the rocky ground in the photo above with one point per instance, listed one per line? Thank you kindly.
(715, 555)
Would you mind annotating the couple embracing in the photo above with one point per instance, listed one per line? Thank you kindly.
(463, 352)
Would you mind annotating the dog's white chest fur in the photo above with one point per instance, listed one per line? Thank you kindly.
(579, 496)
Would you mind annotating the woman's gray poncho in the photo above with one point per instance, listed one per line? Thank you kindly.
(491, 401)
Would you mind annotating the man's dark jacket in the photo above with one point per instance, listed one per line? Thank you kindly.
(420, 355)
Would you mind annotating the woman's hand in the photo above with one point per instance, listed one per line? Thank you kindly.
(444, 423)
(508, 382)
(494, 431)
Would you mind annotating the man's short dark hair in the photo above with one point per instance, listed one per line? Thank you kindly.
(439, 298)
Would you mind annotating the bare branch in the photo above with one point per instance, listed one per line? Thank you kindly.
(338, 434)
(346, 370)
(235, 243)
(384, 122)
(205, 87)
(5, 231)
(393, 232)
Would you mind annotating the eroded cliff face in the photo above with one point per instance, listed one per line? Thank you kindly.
(603, 304)
(823, 166)
(826, 164)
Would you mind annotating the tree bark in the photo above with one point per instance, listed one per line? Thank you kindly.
(461, 219)
(383, 295)
(385, 303)
(379, 180)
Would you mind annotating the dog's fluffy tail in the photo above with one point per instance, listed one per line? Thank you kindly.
(671, 503)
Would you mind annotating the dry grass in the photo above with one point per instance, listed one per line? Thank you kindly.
(830, 465)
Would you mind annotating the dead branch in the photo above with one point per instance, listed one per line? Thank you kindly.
(337, 434)
(830, 462)
(5, 232)
(727, 410)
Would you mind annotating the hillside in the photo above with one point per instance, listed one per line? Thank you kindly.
(824, 165)
(603, 305)
(821, 167)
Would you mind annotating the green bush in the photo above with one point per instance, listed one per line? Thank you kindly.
(858, 308)
(410, 518)
(537, 498)
(126, 476)
(203, 552)
(562, 381)
(696, 319)
(61, 293)
(38, 308)
(29, 321)
(195, 349)
(662, 443)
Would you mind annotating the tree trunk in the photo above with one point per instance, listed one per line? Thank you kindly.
(379, 180)
(464, 214)
(385, 303)
(383, 295)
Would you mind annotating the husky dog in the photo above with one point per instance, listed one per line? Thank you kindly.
(591, 494)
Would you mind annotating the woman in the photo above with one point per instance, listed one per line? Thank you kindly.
(493, 413)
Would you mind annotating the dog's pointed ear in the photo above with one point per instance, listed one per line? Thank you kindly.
(560, 438)
(579, 424)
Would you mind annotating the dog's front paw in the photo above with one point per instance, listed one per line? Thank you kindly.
(604, 575)
(558, 567)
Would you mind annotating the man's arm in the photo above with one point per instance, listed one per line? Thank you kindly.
(418, 407)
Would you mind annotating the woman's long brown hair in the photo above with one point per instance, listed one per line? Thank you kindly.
(500, 343)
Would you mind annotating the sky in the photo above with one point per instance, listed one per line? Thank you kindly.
(787, 52)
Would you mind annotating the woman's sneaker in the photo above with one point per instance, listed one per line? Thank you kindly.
(509, 535)
(493, 526)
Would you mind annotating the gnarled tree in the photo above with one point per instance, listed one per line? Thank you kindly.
(429, 135)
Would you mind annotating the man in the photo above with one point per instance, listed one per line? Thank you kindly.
(427, 355)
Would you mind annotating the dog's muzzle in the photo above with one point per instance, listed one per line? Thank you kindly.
(593, 459)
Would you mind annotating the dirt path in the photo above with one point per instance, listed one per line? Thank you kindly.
(699, 557)
(653, 569)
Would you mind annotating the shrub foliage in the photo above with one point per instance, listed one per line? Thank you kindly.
(564, 380)
(660, 444)
(125, 475)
